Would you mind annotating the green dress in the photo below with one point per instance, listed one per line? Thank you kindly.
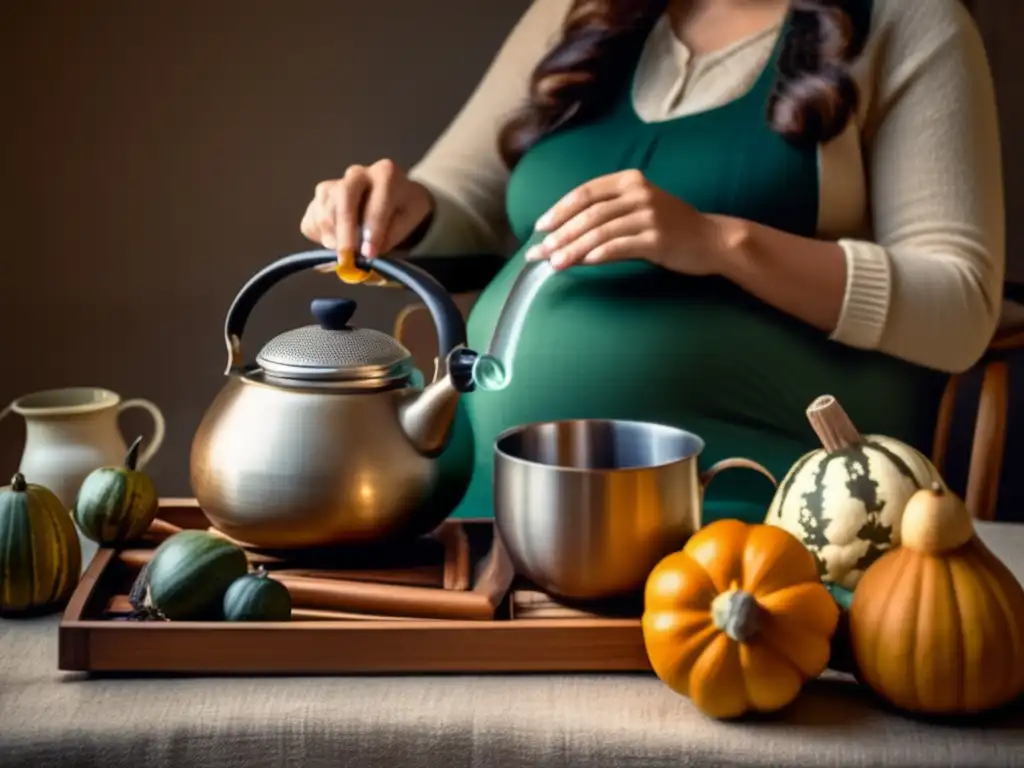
(634, 341)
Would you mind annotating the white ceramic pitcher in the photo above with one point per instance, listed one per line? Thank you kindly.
(70, 432)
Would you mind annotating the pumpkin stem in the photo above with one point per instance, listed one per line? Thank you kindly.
(832, 425)
(737, 614)
(18, 484)
(131, 459)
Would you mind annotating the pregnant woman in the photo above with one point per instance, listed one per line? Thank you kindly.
(750, 203)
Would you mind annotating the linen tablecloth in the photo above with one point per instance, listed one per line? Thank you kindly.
(48, 718)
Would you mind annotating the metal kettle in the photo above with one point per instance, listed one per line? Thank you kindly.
(328, 438)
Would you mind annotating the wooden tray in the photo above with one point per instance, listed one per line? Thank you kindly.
(528, 631)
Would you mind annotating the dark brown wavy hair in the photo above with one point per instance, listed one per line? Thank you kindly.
(812, 100)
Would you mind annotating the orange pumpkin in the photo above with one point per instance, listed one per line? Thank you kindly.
(738, 620)
(937, 625)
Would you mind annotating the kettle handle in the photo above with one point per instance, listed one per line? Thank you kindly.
(451, 328)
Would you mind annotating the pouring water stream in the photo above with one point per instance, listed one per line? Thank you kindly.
(492, 371)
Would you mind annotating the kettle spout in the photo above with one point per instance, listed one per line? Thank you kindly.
(427, 418)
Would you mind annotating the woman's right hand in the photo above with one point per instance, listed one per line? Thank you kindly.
(372, 208)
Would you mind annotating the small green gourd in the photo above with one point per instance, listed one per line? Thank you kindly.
(188, 575)
(117, 504)
(40, 555)
(256, 597)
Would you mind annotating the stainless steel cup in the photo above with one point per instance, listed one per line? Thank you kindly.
(587, 508)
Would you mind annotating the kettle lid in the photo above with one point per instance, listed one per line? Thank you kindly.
(332, 350)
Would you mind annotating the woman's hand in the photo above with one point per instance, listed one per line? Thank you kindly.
(624, 216)
(378, 199)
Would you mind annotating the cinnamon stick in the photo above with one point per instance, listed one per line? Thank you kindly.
(423, 576)
(419, 576)
(137, 558)
(417, 552)
(832, 425)
(160, 530)
(458, 563)
(390, 599)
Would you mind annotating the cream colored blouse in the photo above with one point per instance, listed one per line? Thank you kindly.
(912, 191)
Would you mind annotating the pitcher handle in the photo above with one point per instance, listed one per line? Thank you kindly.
(159, 427)
(713, 471)
(6, 411)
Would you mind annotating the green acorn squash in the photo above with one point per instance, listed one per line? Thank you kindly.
(256, 597)
(40, 555)
(116, 504)
(188, 575)
(845, 500)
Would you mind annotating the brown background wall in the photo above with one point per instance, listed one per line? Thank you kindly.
(153, 155)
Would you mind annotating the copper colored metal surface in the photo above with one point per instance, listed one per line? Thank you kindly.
(325, 438)
(588, 508)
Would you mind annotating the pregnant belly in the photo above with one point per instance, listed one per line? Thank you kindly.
(632, 341)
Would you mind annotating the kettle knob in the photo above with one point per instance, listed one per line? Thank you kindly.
(333, 314)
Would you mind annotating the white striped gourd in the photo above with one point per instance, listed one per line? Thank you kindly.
(845, 500)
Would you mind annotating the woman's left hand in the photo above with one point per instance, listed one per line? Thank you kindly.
(624, 216)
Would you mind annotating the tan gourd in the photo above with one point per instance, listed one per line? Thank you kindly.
(937, 625)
